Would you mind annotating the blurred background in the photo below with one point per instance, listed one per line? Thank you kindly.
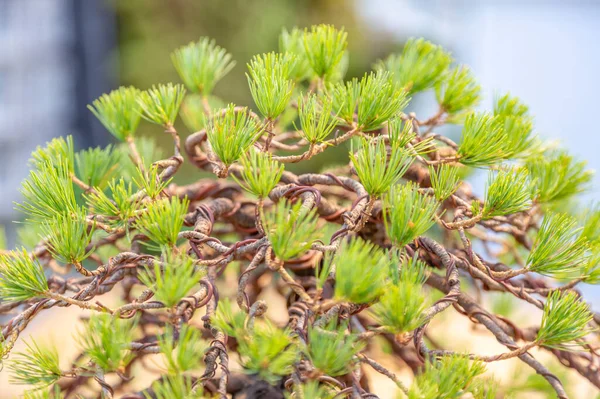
(57, 56)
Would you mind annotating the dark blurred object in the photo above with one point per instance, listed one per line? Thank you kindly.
(54, 59)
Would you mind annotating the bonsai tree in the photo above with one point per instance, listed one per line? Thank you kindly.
(269, 283)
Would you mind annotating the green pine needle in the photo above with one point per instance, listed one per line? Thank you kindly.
(37, 366)
(150, 181)
(21, 276)
(293, 43)
(161, 103)
(175, 386)
(202, 64)
(591, 270)
(324, 47)
(229, 322)
(448, 377)
(590, 218)
(97, 166)
(375, 99)
(445, 180)
(48, 192)
(173, 280)
(53, 393)
(331, 350)
(564, 321)
(119, 111)
(407, 214)
(117, 209)
(508, 191)
(557, 175)
(69, 236)
(401, 307)
(316, 118)
(268, 352)
(260, 173)
(183, 351)
(377, 169)
(149, 151)
(482, 141)
(56, 152)
(193, 110)
(510, 106)
(361, 269)
(291, 230)
(231, 133)
(270, 82)
(558, 248)
(420, 66)
(162, 221)
(105, 340)
(458, 91)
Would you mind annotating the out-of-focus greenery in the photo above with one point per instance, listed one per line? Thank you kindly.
(149, 30)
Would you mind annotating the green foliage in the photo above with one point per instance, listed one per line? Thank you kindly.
(445, 180)
(172, 280)
(324, 47)
(564, 321)
(558, 248)
(510, 106)
(54, 393)
(401, 307)
(105, 340)
(270, 82)
(316, 118)
(119, 111)
(48, 192)
(97, 166)
(407, 214)
(56, 152)
(175, 386)
(313, 390)
(508, 191)
(293, 43)
(557, 175)
(68, 237)
(375, 99)
(420, 66)
(37, 366)
(183, 351)
(195, 110)
(482, 141)
(229, 322)
(21, 276)
(260, 174)
(590, 218)
(513, 117)
(202, 64)
(162, 221)
(449, 377)
(458, 91)
(291, 230)
(161, 103)
(268, 352)
(149, 151)
(231, 133)
(120, 207)
(377, 169)
(332, 351)
(150, 181)
(360, 271)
